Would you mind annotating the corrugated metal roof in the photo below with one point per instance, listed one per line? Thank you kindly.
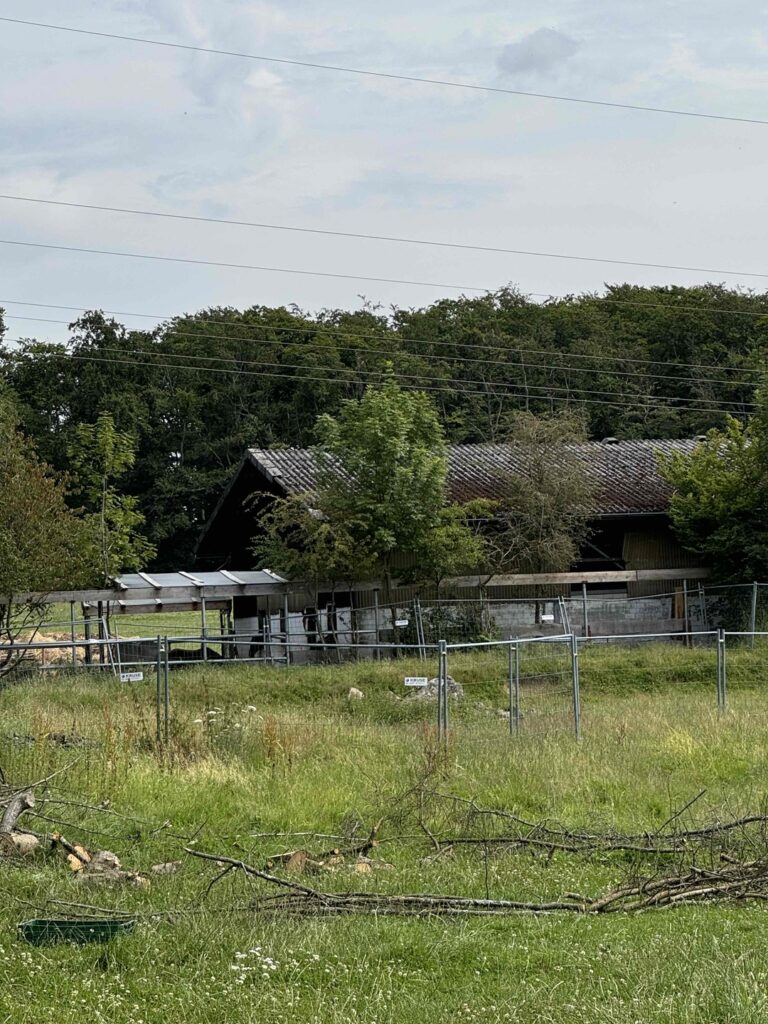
(195, 581)
(625, 474)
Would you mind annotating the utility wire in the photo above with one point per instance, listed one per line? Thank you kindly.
(649, 402)
(392, 352)
(572, 301)
(242, 266)
(333, 331)
(388, 238)
(285, 270)
(421, 377)
(499, 90)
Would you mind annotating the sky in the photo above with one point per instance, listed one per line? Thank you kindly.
(99, 121)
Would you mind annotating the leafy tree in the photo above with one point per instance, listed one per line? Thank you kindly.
(379, 508)
(199, 388)
(306, 545)
(100, 455)
(719, 505)
(44, 546)
(383, 470)
(541, 519)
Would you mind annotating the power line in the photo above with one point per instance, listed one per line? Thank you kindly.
(650, 402)
(387, 238)
(290, 270)
(391, 76)
(338, 332)
(551, 299)
(242, 266)
(521, 388)
(509, 364)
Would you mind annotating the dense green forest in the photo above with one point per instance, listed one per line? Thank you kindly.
(196, 390)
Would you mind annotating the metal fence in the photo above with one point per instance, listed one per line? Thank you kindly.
(542, 675)
(690, 607)
(335, 633)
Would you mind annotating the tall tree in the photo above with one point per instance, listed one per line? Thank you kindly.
(100, 456)
(194, 391)
(719, 506)
(44, 546)
(544, 505)
(379, 508)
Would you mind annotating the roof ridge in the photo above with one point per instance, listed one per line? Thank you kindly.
(602, 443)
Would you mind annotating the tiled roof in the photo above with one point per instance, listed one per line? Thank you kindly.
(625, 473)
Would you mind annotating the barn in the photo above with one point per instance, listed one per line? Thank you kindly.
(630, 529)
(631, 551)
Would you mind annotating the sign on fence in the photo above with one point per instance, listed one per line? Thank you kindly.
(416, 681)
(131, 677)
(401, 622)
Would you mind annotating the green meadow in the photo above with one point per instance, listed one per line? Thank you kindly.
(262, 761)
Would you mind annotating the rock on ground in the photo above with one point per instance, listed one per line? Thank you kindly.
(429, 692)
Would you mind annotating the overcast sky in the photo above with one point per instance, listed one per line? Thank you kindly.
(115, 123)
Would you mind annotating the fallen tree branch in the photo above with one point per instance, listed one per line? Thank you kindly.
(550, 845)
(335, 854)
(21, 801)
(735, 882)
(248, 869)
(557, 837)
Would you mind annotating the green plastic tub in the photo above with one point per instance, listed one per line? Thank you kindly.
(44, 931)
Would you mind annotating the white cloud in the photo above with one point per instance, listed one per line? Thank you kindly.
(539, 52)
(120, 124)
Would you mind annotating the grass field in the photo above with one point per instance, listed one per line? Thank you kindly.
(263, 751)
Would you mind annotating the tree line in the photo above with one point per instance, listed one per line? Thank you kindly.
(184, 399)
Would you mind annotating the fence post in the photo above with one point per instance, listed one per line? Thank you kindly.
(442, 691)
(167, 693)
(721, 670)
(72, 633)
(576, 685)
(753, 615)
(514, 688)
(586, 609)
(376, 625)
(287, 631)
(158, 691)
(268, 656)
(87, 635)
(686, 615)
(204, 626)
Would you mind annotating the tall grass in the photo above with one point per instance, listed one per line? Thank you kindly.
(259, 750)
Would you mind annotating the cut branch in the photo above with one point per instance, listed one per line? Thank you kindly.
(21, 801)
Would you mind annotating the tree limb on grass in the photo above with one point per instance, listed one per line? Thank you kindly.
(733, 883)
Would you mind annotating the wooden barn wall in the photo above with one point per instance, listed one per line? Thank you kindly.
(653, 550)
